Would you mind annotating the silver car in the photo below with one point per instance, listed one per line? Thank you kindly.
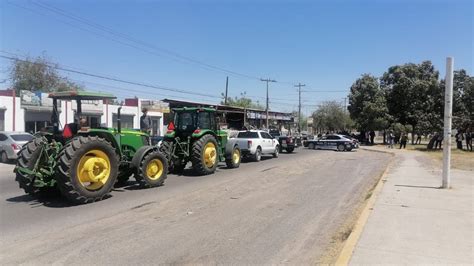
(11, 143)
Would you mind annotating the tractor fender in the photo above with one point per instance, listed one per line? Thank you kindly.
(141, 152)
(229, 148)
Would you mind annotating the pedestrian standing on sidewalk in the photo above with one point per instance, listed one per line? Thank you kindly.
(372, 137)
(418, 138)
(403, 140)
(459, 139)
(439, 141)
(469, 140)
(391, 137)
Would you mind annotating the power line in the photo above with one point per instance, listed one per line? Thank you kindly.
(317, 91)
(69, 69)
(116, 79)
(131, 39)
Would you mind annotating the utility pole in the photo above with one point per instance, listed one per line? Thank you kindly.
(299, 105)
(448, 115)
(266, 109)
(226, 89)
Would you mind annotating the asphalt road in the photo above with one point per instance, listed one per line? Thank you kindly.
(286, 210)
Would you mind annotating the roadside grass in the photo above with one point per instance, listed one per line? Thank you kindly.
(460, 159)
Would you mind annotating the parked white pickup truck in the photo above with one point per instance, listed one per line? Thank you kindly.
(255, 143)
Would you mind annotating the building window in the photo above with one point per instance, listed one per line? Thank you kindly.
(126, 120)
(155, 126)
(35, 126)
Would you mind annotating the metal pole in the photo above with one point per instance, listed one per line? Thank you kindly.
(299, 105)
(448, 109)
(266, 108)
(226, 89)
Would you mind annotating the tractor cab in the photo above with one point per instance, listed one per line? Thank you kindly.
(189, 122)
(71, 129)
(127, 141)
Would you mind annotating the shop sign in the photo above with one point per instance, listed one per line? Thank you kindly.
(156, 106)
(39, 99)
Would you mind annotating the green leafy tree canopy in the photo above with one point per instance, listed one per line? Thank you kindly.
(331, 116)
(367, 104)
(39, 74)
(242, 101)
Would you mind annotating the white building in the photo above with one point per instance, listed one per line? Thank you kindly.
(32, 111)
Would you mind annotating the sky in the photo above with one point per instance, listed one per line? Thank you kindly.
(191, 46)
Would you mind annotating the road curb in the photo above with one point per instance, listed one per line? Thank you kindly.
(346, 253)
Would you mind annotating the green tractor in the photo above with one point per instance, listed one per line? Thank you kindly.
(84, 163)
(194, 137)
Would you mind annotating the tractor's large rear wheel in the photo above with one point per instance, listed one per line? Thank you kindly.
(88, 169)
(205, 155)
(153, 170)
(28, 156)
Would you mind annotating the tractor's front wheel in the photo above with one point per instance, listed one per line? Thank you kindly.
(87, 170)
(153, 170)
(205, 155)
(28, 158)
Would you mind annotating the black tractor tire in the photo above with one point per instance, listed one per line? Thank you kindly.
(232, 162)
(142, 177)
(27, 157)
(197, 155)
(69, 159)
(290, 150)
(178, 168)
(277, 152)
(311, 146)
(166, 148)
(258, 154)
(124, 175)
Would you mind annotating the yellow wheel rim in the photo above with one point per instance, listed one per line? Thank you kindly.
(210, 154)
(154, 169)
(236, 156)
(93, 169)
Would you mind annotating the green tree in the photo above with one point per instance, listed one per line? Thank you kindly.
(302, 118)
(242, 101)
(412, 92)
(367, 104)
(331, 116)
(463, 100)
(39, 75)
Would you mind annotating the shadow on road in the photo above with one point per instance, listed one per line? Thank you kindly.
(53, 200)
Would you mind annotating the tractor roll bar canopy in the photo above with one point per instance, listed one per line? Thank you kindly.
(81, 95)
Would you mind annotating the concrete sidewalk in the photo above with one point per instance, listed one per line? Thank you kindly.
(415, 222)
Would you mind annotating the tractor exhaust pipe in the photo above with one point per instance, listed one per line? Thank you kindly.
(119, 123)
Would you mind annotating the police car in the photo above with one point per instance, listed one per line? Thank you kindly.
(333, 142)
